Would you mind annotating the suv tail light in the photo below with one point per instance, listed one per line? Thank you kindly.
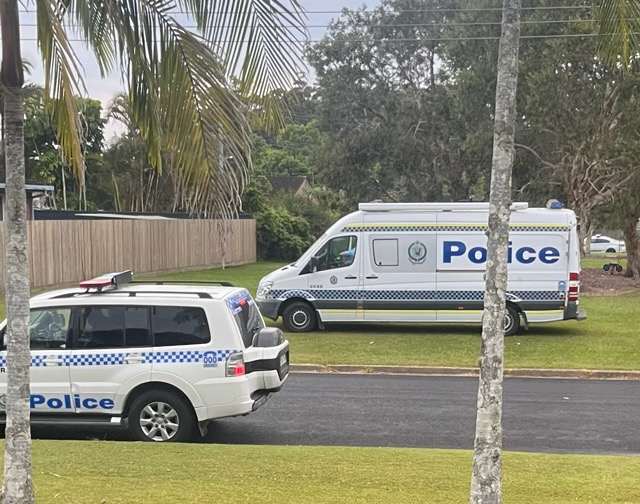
(574, 287)
(235, 365)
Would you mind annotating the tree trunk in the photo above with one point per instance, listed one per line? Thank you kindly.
(486, 480)
(631, 243)
(17, 486)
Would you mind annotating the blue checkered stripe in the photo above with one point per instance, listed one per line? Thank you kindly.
(117, 358)
(454, 227)
(287, 294)
(414, 295)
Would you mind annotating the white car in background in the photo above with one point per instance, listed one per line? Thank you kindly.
(601, 243)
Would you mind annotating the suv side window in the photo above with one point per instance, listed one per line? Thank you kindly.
(179, 325)
(136, 326)
(101, 327)
(49, 328)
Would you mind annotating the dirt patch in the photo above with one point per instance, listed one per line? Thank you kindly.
(597, 282)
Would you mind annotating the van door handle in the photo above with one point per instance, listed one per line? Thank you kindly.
(52, 361)
(350, 277)
(372, 277)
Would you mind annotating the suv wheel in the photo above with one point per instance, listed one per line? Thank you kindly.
(299, 317)
(160, 416)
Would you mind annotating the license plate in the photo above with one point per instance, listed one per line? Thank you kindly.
(283, 360)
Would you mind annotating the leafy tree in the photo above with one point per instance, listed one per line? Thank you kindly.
(177, 81)
(280, 234)
(618, 25)
(384, 106)
(43, 157)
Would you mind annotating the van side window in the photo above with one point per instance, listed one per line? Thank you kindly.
(339, 252)
(385, 252)
(101, 327)
(49, 328)
(179, 325)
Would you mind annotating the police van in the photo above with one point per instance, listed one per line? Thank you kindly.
(156, 357)
(425, 262)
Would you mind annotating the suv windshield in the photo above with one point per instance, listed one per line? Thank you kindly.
(247, 317)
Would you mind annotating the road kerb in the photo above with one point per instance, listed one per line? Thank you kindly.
(576, 374)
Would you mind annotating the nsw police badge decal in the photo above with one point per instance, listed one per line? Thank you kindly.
(417, 252)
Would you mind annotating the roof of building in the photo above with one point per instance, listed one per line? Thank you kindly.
(288, 183)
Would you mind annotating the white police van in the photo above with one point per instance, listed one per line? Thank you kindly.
(425, 262)
(157, 357)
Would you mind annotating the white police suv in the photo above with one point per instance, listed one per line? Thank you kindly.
(157, 357)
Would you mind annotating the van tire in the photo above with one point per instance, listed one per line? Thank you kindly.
(511, 321)
(175, 417)
(299, 317)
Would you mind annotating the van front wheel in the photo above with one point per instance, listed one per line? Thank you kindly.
(511, 321)
(299, 317)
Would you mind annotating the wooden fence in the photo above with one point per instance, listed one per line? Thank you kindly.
(66, 251)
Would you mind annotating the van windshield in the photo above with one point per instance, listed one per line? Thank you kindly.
(303, 257)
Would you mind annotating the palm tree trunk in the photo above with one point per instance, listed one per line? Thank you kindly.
(17, 487)
(486, 480)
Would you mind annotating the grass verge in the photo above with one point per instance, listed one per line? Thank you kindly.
(606, 340)
(77, 472)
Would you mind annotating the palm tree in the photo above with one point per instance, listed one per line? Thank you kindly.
(178, 84)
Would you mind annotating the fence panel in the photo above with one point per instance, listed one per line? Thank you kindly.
(66, 252)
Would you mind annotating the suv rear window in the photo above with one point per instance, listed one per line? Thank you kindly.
(247, 317)
(179, 325)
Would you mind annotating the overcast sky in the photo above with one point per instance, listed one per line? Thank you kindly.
(319, 14)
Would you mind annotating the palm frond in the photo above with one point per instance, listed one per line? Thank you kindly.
(181, 100)
(63, 82)
(261, 41)
(618, 30)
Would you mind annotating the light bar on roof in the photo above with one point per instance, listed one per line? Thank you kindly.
(108, 280)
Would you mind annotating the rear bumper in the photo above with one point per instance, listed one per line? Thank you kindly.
(573, 312)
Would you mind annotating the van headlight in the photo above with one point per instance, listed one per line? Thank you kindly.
(264, 290)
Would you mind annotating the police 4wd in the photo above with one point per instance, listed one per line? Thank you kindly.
(156, 357)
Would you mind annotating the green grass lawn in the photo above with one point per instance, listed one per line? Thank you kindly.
(608, 339)
(597, 261)
(79, 472)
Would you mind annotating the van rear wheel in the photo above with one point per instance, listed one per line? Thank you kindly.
(299, 317)
(511, 321)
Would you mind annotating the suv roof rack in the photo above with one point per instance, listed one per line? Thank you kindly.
(183, 282)
(202, 295)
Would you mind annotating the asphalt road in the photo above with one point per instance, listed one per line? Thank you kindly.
(540, 415)
(559, 416)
